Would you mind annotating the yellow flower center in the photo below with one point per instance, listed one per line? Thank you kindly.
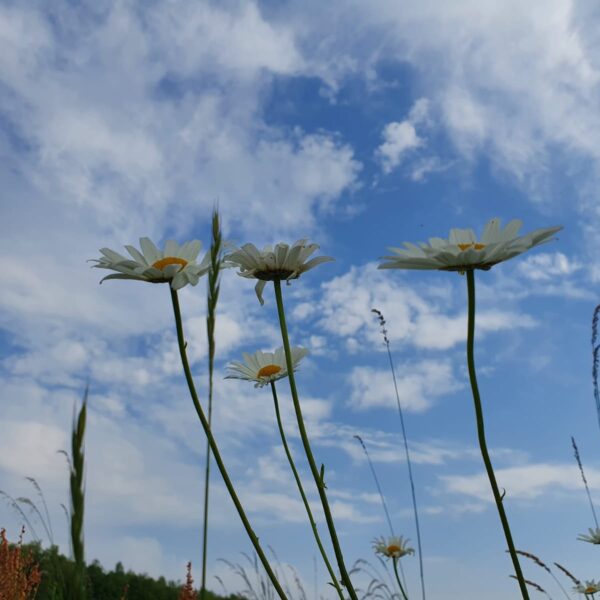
(590, 590)
(169, 260)
(393, 548)
(475, 246)
(268, 370)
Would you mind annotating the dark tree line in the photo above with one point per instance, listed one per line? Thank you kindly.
(116, 584)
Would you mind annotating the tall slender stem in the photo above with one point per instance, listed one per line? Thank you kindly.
(318, 477)
(410, 473)
(332, 574)
(215, 449)
(395, 561)
(481, 431)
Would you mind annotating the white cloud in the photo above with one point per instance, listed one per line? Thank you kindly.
(548, 266)
(418, 384)
(525, 482)
(400, 138)
(416, 315)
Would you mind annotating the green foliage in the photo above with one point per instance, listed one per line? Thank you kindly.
(101, 584)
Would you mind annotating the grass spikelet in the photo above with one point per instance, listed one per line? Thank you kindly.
(585, 483)
(596, 359)
(76, 584)
(538, 561)
(569, 575)
(534, 585)
(212, 300)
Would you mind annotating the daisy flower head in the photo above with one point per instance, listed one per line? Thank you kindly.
(175, 264)
(264, 367)
(283, 262)
(593, 538)
(392, 547)
(462, 251)
(589, 587)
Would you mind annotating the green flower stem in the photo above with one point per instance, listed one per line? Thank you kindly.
(481, 432)
(318, 477)
(215, 449)
(332, 574)
(395, 561)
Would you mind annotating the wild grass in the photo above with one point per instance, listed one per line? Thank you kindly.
(212, 301)
(257, 586)
(384, 332)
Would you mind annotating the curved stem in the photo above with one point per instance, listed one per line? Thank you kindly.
(481, 432)
(215, 449)
(318, 477)
(334, 580)
(395, 561)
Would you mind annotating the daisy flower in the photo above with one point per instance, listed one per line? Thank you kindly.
(589, 587)
(283, 262)
(175, 264)
(593, 538)
(462, 251)
(264, 367)
(392, 547)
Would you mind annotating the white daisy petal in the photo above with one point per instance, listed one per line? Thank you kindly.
(155, 266)
(281, 263)
(264, 367)
(462, 252)
(151, 252)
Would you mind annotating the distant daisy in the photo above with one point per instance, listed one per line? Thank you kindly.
(462, 251)
(589, 587)
(392, 547)
(264, 367)
(175, 264)
(593, 538)
(284, 262)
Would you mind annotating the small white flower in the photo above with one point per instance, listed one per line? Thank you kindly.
(593, 538)
(264, 367)
(392, 547)
(284, 262)
(462, 252)
(175, 265)
(589, 587)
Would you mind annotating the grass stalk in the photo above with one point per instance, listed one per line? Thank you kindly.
(319, 476)
(334, 581)
(383, 502)
(212, 299)
(585, 483)
(406, 450)
(481, 432)
(215, 449)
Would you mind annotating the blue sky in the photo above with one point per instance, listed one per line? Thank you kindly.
(358, 126)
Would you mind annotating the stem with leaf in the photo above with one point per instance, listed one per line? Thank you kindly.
(215, 449)
(334, 581)
(319, 476)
